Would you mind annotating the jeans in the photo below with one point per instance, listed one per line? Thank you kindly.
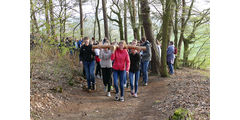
(170, 66)
(89, 70)
(107, 77)
(119, 73)
(144, 65)
(125, 77)
(137, 74)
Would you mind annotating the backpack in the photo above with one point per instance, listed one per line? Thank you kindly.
(175, 50)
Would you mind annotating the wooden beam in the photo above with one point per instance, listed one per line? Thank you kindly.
(125, 47)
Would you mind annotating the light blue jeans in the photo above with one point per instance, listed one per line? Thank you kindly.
(137, 75)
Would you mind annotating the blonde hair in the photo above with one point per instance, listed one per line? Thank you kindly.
(123, 41)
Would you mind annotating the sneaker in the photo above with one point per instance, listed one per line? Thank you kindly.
(145, 84)
(89, 90)
(125, 85)
(132, 93)
(109, 94)
(111, 87)
(105, 88)
(122, 99)
(135, 95)
(117, 97)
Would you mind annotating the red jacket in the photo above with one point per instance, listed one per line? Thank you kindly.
(97, 59)
(121, 59)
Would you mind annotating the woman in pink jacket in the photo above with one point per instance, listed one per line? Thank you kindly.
(121, 58)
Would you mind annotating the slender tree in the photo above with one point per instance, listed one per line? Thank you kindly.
(81, 17)
(165, 32)
(125, 21)
(119, 18)
(98, 22)
(52, 18)
(132, 11)
(105, 18)
(34, 20)
(47, 18)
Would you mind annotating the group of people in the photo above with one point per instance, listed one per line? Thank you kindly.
(118, 64)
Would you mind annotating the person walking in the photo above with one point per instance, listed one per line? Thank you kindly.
(121, 58)
(134, 69)
(87, 58)
(106, 65)
(146, 58)
(170, 57)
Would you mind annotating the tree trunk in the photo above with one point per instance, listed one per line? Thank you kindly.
(47, 18)
(132, 11)
(147, 24)
(165, 32)
(125, 21)
(65, 18)
(52, 19)
(34, 20)
(176, 30)
(81, 18)
(186, 53)
(98, 22)
(120, 27)
(140, 26)
(105, 19)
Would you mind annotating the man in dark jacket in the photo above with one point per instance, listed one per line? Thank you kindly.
(87, 58)
(146, 57)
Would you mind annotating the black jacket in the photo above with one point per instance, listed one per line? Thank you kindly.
(134, 62)
(86, 53)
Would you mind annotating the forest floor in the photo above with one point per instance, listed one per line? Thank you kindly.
(187, 88)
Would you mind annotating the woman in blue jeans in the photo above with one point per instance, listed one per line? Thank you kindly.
(87, 58)
(121, 63)
(134, 69)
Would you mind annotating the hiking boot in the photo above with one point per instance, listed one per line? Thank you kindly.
(109, 94)
(135, 95)
(122, 99)
(117, 97)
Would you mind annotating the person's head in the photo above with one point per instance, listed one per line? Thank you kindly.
(86, 41)
(143, 39)
(122, 44)
(106, 43)
(134, 42)
(171, 42)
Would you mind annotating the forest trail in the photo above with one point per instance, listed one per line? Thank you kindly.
(188, 88)
(96, 105)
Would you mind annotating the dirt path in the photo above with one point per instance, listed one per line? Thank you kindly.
(89, 106)
(187, 88)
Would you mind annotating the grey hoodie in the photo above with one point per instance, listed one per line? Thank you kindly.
(147, 54)
(105, 57)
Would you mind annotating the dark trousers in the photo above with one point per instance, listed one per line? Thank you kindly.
(98, 69)
(107, 77)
